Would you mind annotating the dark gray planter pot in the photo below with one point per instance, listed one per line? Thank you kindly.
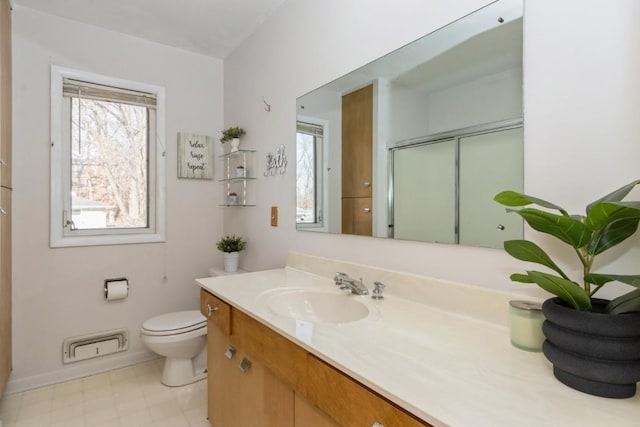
(593, 352)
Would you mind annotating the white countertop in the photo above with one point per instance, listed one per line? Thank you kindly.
(446, 368)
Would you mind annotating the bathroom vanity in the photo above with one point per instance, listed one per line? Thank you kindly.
(259, 377)
(429, 353)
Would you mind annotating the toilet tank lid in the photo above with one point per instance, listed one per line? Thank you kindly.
(174, 321)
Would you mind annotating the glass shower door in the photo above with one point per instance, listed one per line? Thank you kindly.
(424, 199)
(489, 163)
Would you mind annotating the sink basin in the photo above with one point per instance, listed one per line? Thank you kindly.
(319, 307)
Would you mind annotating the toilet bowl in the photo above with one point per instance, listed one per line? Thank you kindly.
(181, 337)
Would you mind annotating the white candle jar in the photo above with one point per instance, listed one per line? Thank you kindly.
(525, 321)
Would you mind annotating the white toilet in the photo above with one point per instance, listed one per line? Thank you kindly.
(181, 337)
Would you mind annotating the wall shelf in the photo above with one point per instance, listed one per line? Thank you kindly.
(239, 177)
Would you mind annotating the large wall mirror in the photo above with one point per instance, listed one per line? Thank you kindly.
(415, 144)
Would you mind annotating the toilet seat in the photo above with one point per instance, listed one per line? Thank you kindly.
(179, 322)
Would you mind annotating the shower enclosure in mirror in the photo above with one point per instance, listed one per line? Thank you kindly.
(415, 144)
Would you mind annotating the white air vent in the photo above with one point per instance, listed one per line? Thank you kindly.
(94, 345)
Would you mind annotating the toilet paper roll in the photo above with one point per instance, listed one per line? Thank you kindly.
(117, 289)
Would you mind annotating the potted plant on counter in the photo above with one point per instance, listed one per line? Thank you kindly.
(233, 134)
(231, 247)
(593, 344)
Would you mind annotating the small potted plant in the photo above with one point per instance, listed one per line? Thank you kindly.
(233, 134)
(594, 344)
(231, 247)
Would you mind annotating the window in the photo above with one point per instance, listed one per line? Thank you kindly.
(107, 160)
(309, 177)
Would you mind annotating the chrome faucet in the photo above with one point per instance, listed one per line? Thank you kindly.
(349, 284)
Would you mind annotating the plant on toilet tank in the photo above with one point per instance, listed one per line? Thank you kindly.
(231, 247)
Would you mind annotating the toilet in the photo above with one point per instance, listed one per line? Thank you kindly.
(181, 337)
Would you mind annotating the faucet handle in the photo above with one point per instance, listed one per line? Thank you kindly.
(377, 290)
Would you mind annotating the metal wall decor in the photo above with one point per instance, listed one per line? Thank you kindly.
(276, 163)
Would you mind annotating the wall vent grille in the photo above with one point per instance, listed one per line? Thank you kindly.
(94, 345)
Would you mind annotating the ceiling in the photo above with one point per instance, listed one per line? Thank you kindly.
(210, 27)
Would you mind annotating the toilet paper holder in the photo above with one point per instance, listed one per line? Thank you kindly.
(116, 283)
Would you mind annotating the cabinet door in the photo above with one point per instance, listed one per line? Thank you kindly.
(243, 395)
(5, 94)
(217, 374)
(5, 194)
(357, 143)
(255, 397)
(216, 311)
(357, 216)
(5, 287)
(350, 403)
(306, 415)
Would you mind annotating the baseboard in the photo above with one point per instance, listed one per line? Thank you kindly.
(81, 370)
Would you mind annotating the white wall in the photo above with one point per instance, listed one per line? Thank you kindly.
(581, 62)
(466, 104)
(58, 292)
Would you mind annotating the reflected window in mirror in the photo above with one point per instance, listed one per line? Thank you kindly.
(309, 174)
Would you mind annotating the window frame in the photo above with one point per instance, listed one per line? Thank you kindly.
(60, 161)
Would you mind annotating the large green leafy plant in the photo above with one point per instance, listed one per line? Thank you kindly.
(608, 222)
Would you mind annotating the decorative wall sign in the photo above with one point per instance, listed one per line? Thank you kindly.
(276, 162)
(195, 156)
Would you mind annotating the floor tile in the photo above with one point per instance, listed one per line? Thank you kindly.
(128, 397)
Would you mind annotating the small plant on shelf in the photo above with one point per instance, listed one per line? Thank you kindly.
(232, 133)
(232, 198)
(231, 243)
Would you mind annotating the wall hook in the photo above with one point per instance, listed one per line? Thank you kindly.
(267, 106)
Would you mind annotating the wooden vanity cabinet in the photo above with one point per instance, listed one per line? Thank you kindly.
(285, 385)
(241, 392)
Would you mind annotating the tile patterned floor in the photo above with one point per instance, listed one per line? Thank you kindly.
(127, 397)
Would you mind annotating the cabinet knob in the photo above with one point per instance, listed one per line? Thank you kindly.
(500, 227)
(3, 211)
(2, 162)
(377, 424)
(210, 309)
(367, 210)
(367, 184)
(245, 365)
(231, 351)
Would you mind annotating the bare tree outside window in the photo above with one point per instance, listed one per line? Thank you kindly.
(109, 164)
(305, 178)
